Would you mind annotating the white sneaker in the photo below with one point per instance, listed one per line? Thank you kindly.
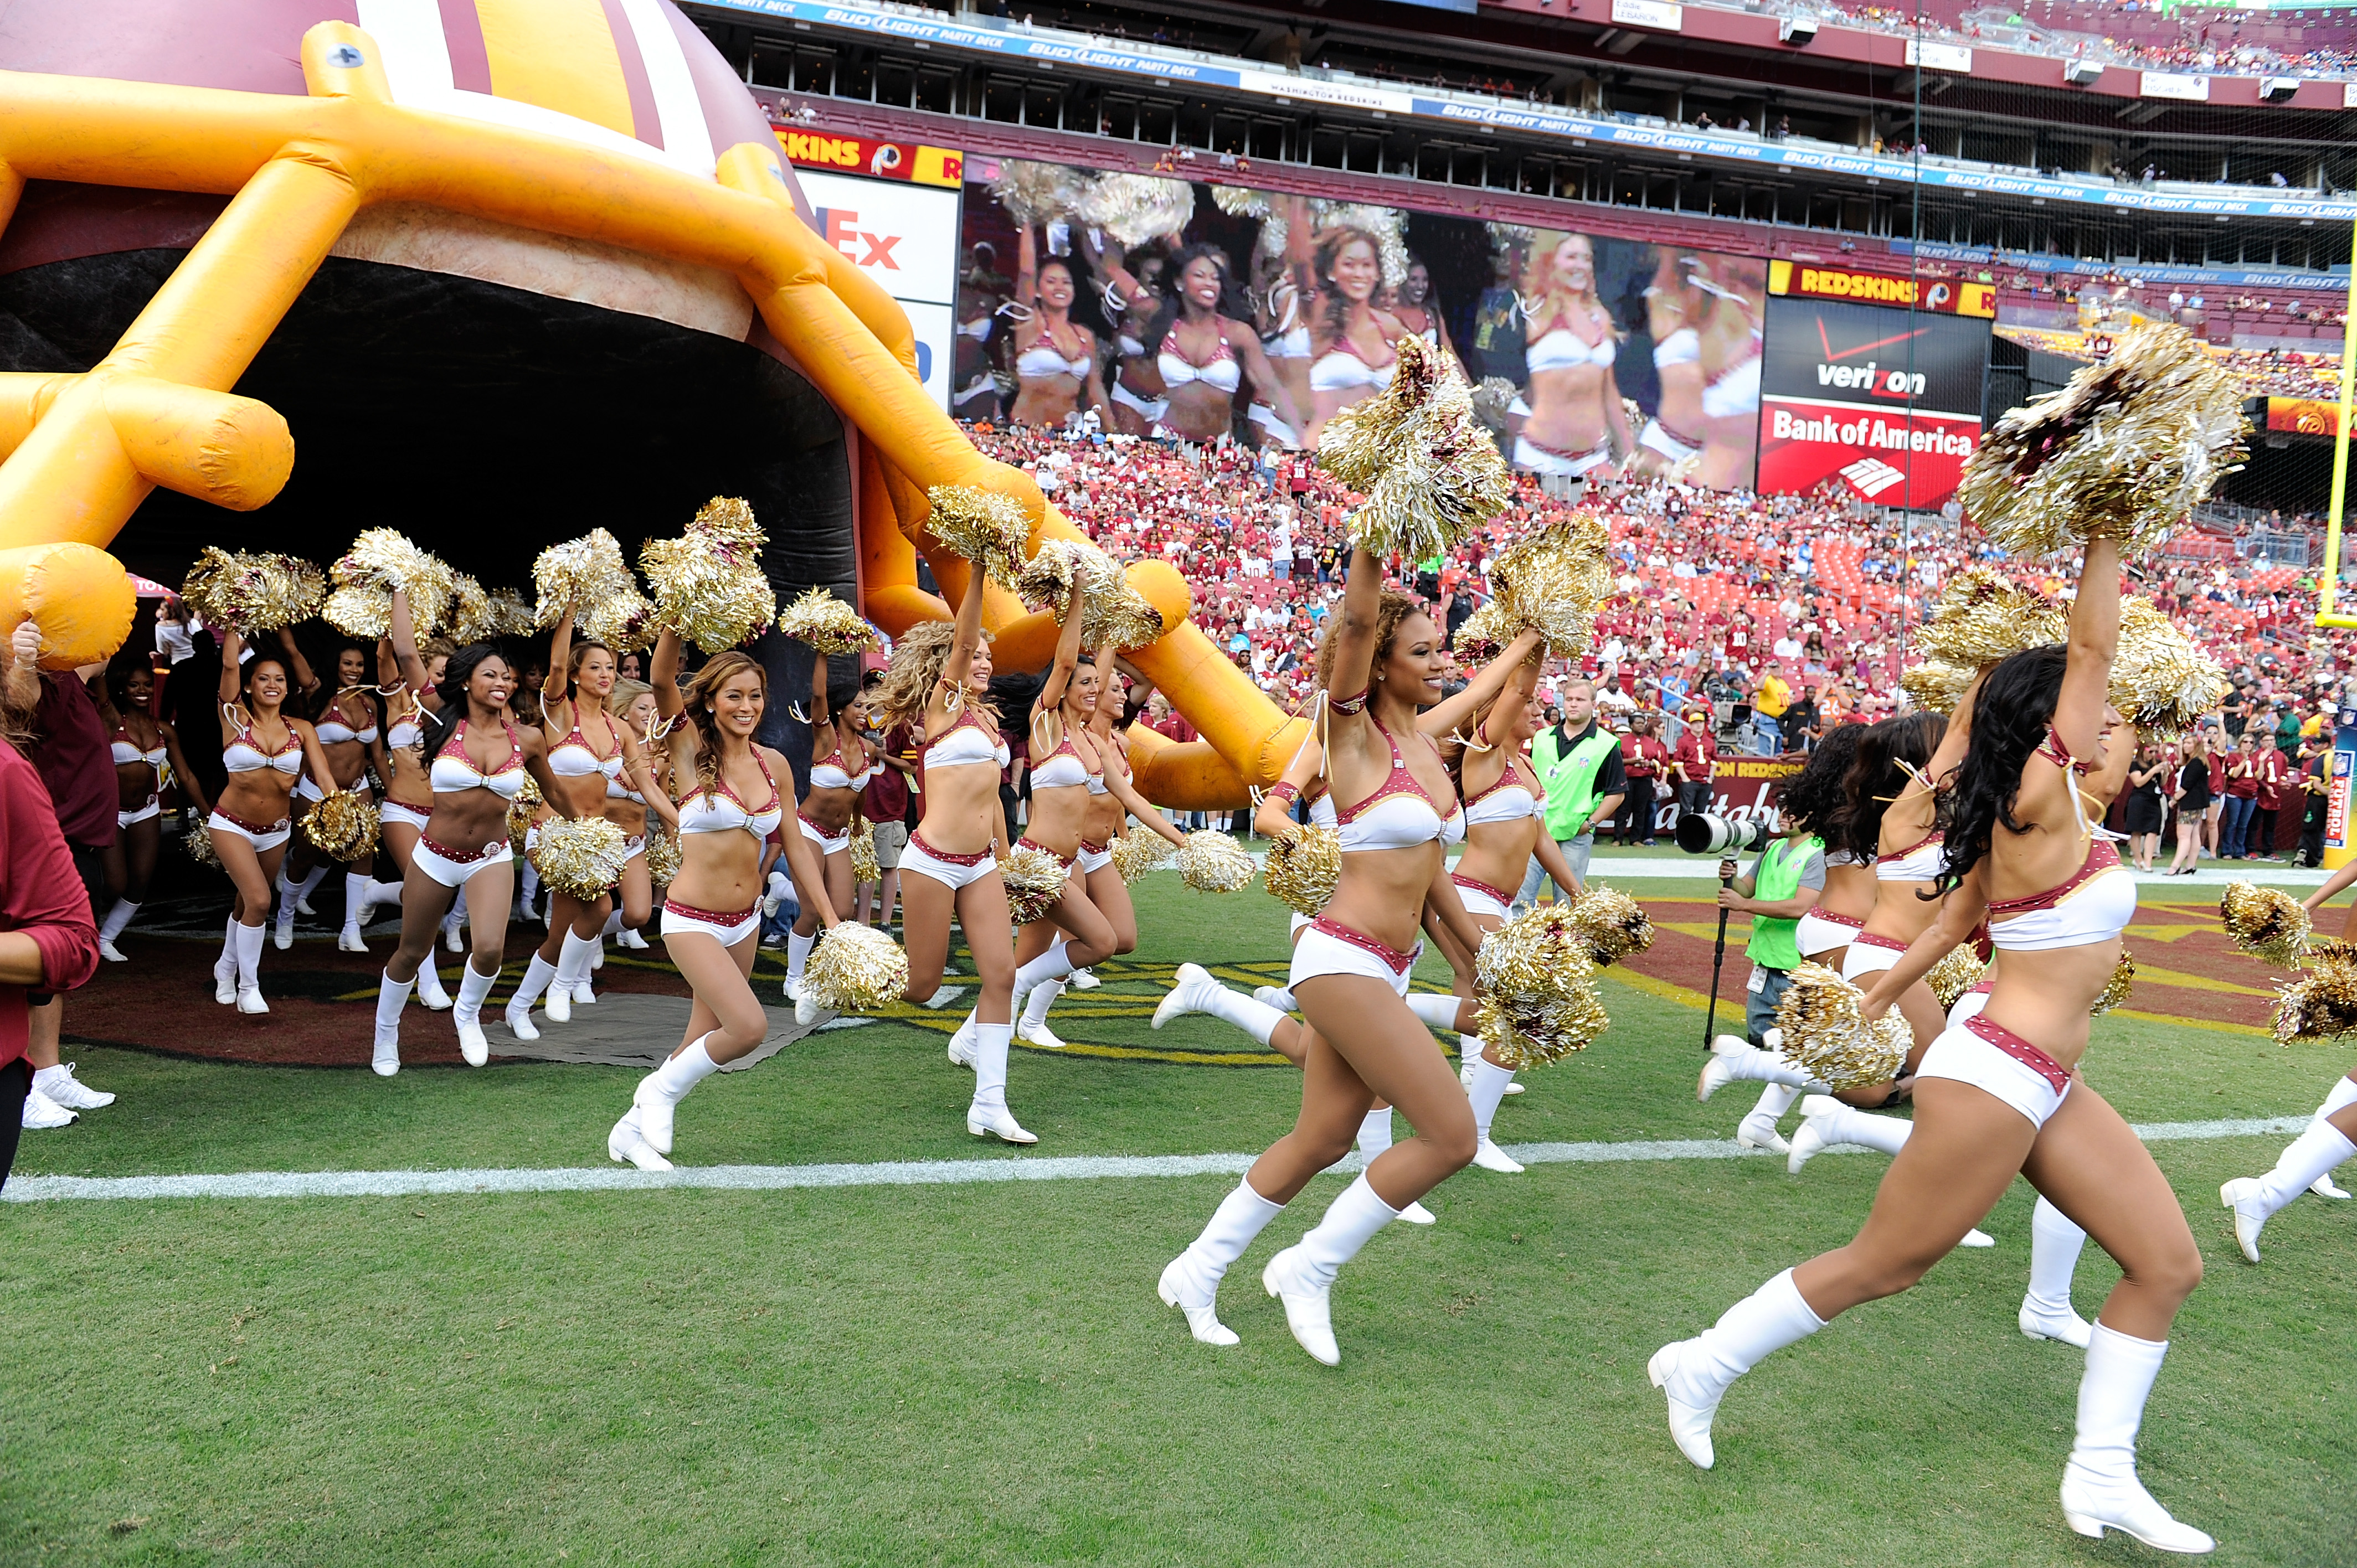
(249, 1000)
(225, 980)
(1202, 1322)
(62, 1088)
(1417, 1214)
(1187, 996)
(997, 1122)
(1038, 1034)
(2091, 1503)
(1489, 1157)
(557, 1003)
(2066, 1326)
(1307, 1308)
(627, 1144)
(348, 941)
(1719, 1072)
(1081, 980)
(1276, 996)
(2242, 1196)
(41, 1113)
(112, 954)
(1757, 1131)
(961, 1043)
(2324, 1186)
(473, 1044)
(519, 1021)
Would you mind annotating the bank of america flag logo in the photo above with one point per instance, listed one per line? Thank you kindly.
(1871, 476)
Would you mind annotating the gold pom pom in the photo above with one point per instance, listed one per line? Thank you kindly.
(1979, 620)
(2271, 927)
(380, 560)
(1415, 450)
(198, 841)
(471, 617)
(1136, 207)
(589, 575)
(252, 593)
(1955, 974)
(1535, 978)
(344, 825)
(981, 525)
(1303, 868)
(1035, 193)
(1135, 853)
(1120, 617)
(581, 857)
(2116, 989)
(864, 866)
(512, 614)
(1827, 1036)
(2159, 680)
(523, 811)
(662, 854)
(1552, 581)
(2125, 451)
(827, 624)
(1035, 880)
(2321, 1004)
(1212, 862)
(856, 969)
(708, 583)
(1615, 925)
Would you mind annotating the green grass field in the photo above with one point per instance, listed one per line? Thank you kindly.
(980, 1373)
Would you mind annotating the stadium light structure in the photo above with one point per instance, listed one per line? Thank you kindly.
(2279, 89)
(2082, 73)
(1796, 30)
(2329, 588)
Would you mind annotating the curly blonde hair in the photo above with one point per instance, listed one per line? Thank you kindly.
(1391, 609)
(919, 656)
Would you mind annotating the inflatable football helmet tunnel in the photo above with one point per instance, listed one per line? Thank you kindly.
(498, 272)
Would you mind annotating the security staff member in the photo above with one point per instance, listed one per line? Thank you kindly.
(1578, 760)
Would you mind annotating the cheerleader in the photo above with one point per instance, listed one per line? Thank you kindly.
(2306, 1165)
(840, 766)
(939, 685)
(264, 750)
(408, 803)
(143, 745)
(1382, 663)
(479, 757)
(590, 752)
(2001, 1095)
(351, 737)
(626, 802)
(712, 913)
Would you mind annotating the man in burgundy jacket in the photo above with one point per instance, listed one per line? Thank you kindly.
(49, 943)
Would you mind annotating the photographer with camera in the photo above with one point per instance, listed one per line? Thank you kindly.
(1784, 883)
(1579, 762)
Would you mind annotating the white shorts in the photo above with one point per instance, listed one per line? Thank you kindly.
(1969, 1007)
(1662, 441)
(634, 846)
(724, 927)
(1963, 1055)
(307, 788)
(839, 843)
(952, 872)
(1151, 411)
(1867, 956)
(1539, 460)
(450, 870)
(1298, 919)
(1735, 394)
(396, 812)
(1093, 859)
(1266, 417)
(263, 840)
(146, 814)
(1318, 952)
(1480, 900)
(1818, 934)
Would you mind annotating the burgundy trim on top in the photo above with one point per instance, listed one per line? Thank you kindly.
(2101, 857)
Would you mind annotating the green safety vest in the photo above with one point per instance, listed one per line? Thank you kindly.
(1774, 944)
(1570, 777)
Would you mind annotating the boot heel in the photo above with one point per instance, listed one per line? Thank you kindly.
(2083, 1525)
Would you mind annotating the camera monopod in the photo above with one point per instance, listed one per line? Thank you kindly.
(1717, 962)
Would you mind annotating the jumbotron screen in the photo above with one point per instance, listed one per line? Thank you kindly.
(1888, 400)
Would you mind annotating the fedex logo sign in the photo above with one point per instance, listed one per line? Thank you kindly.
(840, 227)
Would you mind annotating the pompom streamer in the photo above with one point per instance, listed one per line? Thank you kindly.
(255, 592)
(827, 624)
(380, 561)
(2116, 989)
(1033, 193)
(1614, 925)
(1111, 610)
(708, 583)
(344, 826)
(2321, 1004)
(1212, 862)
(511, 614)
(1136, 207)
(2270, 926)
(1955, 974)
(590, 576)
(1826, 1033)
(663, 856)
(856, 969)
(2125, 451)
(1303, 868)
(1034, 879)
(981, 525)
(2159, 680)
(472, 617)
(523, 811)
(198, 841)
(1137, 853)
(864, 866)
(1426, 467)
(580, 856)
(1551, 581)
(1536, 980)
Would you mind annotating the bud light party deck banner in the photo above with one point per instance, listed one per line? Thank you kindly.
(1888, 402)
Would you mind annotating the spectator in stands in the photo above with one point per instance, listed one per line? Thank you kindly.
(1770, 699)
(2315, 790)
(2272, 772)
(1643, 760)
(1695, 760)
(2241, 799)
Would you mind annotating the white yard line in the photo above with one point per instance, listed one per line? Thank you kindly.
(898, 1173)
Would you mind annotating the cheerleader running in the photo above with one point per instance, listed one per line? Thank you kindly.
(142, 747)
(264, 752)
(1351, 974)
(349, 734)
(829, 814)
(408, 803)
(2306, 1165)
(2000, 1096)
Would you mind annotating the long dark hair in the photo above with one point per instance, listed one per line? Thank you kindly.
(452, 692)
(1231, 303)
(1330, 250)
(2009, 718)
(1877, 777)
(1815, 798)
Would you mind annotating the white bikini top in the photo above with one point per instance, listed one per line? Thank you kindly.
(968, 741)
(333, 731)
(1341, 367)
(2094, 905)
(1063, 769)
(404, 733)
(1683, 346)
(1837, 858)
(572, 758)
(454, 770)
(829, 773)
(1131, 348)
(242, 755)
(718, 811)
(1290, 344)
(1560, 349)
(1321, 811)
(1508, 801)
(1399, 814)
(1043, 359)
(126, 753)
(1919, 864)
(1220, 370)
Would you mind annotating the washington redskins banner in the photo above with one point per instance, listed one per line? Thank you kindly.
(1889, 402)
(1953, 296)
